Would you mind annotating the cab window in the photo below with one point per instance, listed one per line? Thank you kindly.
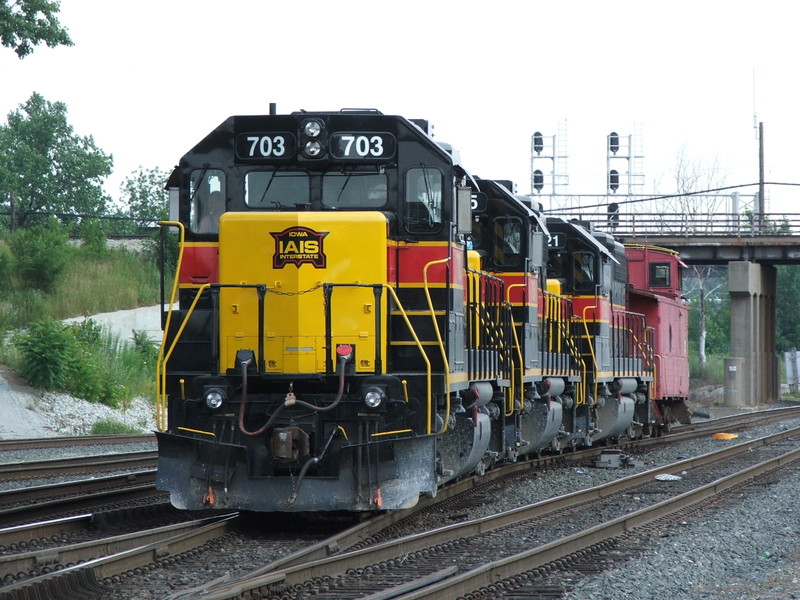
(423, 200)
(208, 200)
(276, 190)
(584, 271)
(659, 275)
(508, 241)
(354, 190)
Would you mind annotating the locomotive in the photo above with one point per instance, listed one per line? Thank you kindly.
(356, 320)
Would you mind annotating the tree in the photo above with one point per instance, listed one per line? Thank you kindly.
(691, 177)
(46, 168)
(26, 23)
(698, 210)
(40, 255)
(709, 322)
(787, 317)
(144, 196)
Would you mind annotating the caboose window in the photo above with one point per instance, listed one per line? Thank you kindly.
(659, 275)
(276, 189)
(354, 190)
(207, 193)
(423, 200)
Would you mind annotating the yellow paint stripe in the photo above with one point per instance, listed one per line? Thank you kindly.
(196, 431)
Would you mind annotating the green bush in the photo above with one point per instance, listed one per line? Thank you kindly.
(45, 353)
(5, 264)
(94, 234)
(80, 359)
(112, 427)
(40, 255)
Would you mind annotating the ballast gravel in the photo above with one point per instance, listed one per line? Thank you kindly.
(743, 550)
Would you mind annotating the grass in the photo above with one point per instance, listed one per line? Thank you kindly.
(112, 427)
(712, 373)
(89, 284)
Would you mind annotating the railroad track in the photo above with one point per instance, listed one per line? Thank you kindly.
(327, 554)
(78, 465)
(76, 441)
(485, 557)
(26, 504)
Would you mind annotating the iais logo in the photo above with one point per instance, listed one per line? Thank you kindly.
(298, 245)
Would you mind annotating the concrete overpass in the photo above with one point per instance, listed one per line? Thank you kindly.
(750, 248)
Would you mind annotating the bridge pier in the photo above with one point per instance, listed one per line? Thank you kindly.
(752, 287)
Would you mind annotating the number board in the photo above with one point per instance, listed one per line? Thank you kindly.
(558, 240)
(266, 146)
(362, 145)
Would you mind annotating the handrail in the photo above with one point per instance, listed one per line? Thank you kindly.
(421, 350)
(590, 344)
(708, 223)
(161, 400)
(162, 406)
(519, 353)
(445, 363)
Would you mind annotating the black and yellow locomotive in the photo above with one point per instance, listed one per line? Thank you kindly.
(356, 320)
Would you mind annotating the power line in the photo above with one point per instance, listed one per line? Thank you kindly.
(619, 200)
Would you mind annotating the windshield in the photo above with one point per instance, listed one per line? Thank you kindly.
(276, 189)
(423, 200)
(354, 190)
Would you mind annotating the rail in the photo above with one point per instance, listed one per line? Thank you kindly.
(715, 224)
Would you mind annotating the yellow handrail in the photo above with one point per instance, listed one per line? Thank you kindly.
(445, 363)
(519, 355)
(162, 405)
(161, 400)
(419, 346)
(591, 350)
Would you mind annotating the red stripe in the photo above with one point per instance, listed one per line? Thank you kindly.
(200, 265)
(411, 261)
(601, 312)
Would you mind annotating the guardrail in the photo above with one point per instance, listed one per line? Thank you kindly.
(688, 225)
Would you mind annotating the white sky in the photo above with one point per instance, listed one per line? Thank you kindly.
(148, 79)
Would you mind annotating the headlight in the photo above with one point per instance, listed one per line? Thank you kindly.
(373, 397)
(214, 398)
(313, 148)
(312, 128)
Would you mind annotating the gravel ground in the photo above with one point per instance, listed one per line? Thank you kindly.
(744, 551)
(747, 551)
(27, 413)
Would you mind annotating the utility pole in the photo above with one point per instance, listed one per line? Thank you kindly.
(759, 207)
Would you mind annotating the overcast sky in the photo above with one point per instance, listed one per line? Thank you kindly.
(148, 79)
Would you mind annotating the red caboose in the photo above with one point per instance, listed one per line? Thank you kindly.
(655, 291)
